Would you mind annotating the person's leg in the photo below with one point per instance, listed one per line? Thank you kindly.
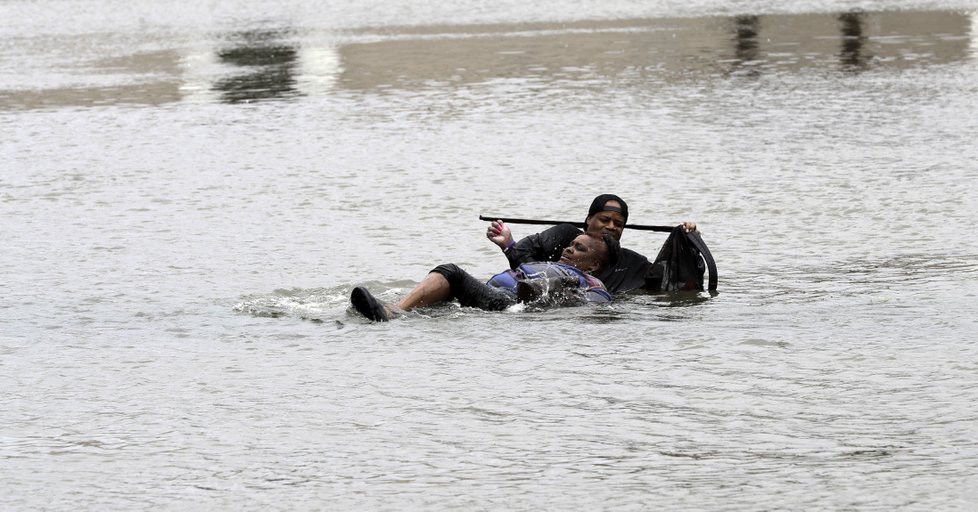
(471, 292)
(444, 282)
(434, 288)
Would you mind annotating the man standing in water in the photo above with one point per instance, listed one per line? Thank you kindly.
(608, 214)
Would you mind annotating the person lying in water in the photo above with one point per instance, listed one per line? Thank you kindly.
(569, 281)
(608, 214)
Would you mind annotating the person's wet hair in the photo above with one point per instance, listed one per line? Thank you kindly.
(609, 258)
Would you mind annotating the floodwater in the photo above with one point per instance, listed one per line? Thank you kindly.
(190, 190)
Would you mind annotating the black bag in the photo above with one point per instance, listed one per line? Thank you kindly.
(682, 263)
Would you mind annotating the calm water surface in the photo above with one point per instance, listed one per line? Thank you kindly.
(189, 193)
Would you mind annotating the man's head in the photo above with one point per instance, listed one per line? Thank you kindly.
(591, 252)
(608, 214)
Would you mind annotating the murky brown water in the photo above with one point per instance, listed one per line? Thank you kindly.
(189, 195)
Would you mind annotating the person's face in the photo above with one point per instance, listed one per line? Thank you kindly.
(612, 223)
(584, 253)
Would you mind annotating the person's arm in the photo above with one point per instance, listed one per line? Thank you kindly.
(499, 234)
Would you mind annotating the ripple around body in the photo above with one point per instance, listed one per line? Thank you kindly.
(190, 196)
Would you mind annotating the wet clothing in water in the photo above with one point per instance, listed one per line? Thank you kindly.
(572, 280)
(628, 274)
(503, 289)
(681, 263)
(678, 266)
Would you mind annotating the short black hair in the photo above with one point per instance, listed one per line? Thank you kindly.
(613, 251)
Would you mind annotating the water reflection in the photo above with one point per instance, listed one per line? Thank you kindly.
(974, 34)
(258, 65)
(853, 40)
(154, 80)
(270, 67)
(746, 47)
(637, 52)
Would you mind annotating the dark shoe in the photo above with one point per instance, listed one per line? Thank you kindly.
(368, 305)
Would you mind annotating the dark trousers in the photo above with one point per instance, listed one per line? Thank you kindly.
(471, 292)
